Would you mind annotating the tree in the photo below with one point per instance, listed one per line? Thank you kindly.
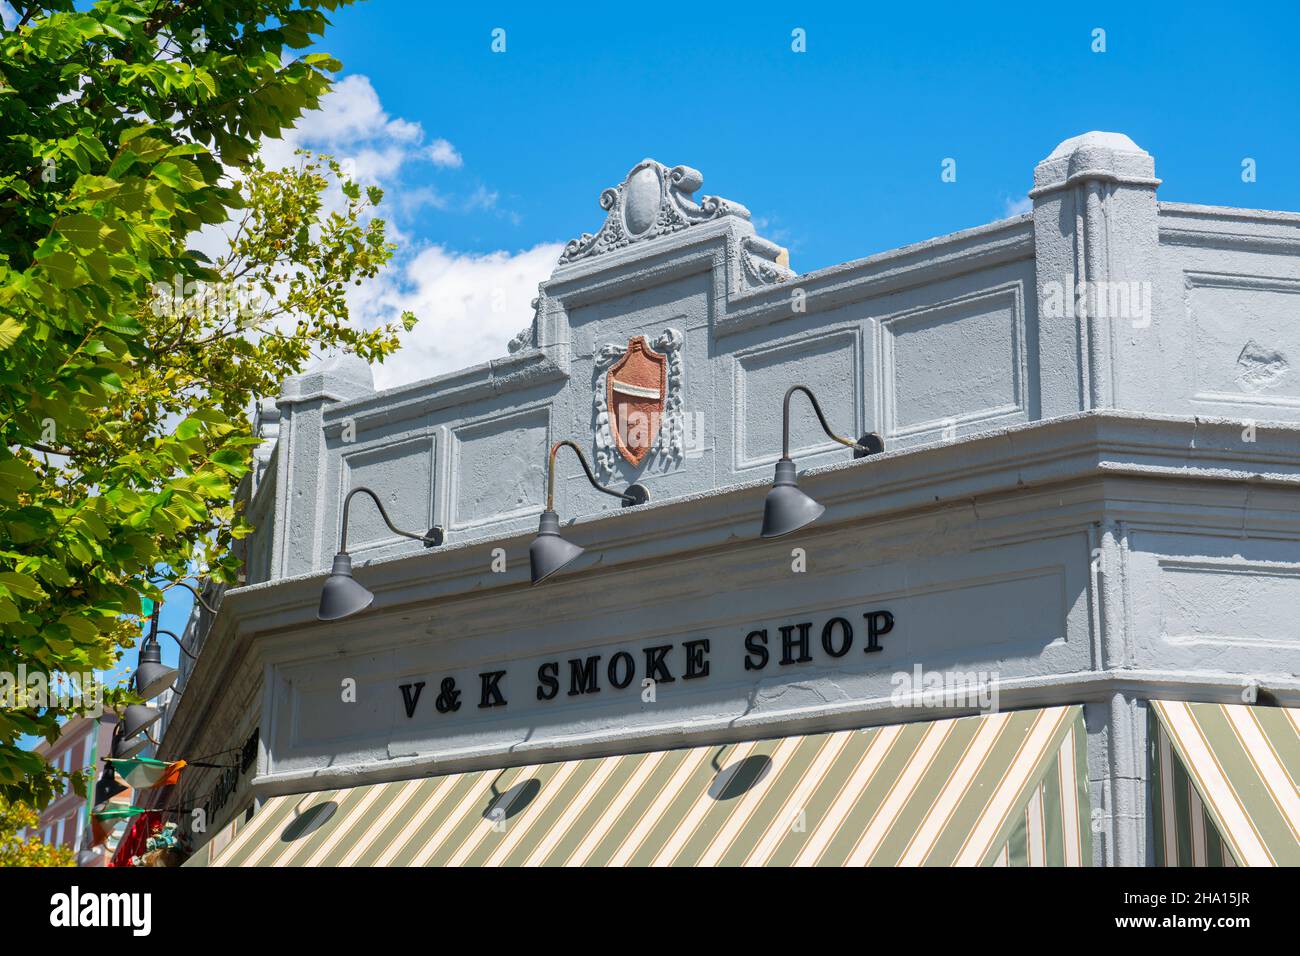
(30, 852)
(125, 375)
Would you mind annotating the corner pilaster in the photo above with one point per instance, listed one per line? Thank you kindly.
(1095, 242)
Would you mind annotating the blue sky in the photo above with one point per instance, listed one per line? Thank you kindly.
(836, 151)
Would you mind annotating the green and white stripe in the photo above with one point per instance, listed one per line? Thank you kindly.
(949, 792)
(1054, 830)
(1224, 784)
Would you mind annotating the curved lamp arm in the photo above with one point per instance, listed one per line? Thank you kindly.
(193, 590)
(868, 444)
(154, 631)
(431, 538)
(628, 497)
(179, 644)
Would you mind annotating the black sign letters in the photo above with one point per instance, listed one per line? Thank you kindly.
(795, 643)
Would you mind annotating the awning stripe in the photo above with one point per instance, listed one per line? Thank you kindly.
(1062, 794)
(1268, 765)
(878, 747)
(792, 814)
(1174, 800)
(740, 819)
(439, 818)
(1241, 764)
(1044, 736)
(629, 787)
(900, 794)
(952, 791)
(1067, 807)
(387, 815)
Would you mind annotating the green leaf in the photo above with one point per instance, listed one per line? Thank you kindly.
(123, 325)
(16, 474)
(85, 232)
(10, 329)
(66, 271)
(23, 585)
(188, 428)
(83, 631)
(170, 174)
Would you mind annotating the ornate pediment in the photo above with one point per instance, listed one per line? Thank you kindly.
(652, 201)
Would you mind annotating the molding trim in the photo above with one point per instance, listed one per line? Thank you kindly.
(1085, 447)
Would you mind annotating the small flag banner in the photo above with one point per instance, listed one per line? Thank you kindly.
(145, 773)
(109, 811)
(106, 816)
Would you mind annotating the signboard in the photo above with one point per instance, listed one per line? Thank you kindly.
(652, 666)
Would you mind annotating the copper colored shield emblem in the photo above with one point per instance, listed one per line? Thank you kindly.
(636, 386)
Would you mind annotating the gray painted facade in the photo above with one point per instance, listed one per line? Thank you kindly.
(1090, 491)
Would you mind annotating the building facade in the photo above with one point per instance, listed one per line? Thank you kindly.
(1024, 632)
(82, 742)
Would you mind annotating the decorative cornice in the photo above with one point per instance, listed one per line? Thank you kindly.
(652, 201)
(1050, 455)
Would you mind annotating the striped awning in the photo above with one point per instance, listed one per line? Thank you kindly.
(1224, 784)
(1005, 788)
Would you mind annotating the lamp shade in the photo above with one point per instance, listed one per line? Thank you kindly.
(341, 595)
(549, 552)
(124, 749)
(137, 718)
(787, 508)
(108, 786)
(152, 677)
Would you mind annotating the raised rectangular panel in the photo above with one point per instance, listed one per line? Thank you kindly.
(401, 473)
(1245, 339)
(954, 363)
(499, 467)
(1015, 613)
(828, 364)
(1229, 604)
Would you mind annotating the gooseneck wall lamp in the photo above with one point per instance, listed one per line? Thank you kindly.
(787, 508)
(341, 595)
(549, 552)
(152, 677)
(124, 748)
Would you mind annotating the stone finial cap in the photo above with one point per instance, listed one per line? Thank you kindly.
(1111, 157)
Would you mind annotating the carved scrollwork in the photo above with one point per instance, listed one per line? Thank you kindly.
(652, 201)
(526, 338)
(764, 262)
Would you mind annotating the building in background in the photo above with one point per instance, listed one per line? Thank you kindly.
(66, 821)
(1053, 622)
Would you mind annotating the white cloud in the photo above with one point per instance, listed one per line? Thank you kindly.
(1017, 207)
(353, 126)
(351, 112)
(442, 153)
(469, 307)
(482, 198)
